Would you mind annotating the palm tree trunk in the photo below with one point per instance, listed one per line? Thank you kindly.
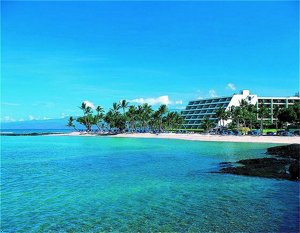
(99, 127)
(159, 126)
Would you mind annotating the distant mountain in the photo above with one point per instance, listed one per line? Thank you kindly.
(37, 124)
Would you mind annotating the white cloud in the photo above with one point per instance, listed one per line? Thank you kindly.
(21, 119)
(200, 98)
(230, 86)
(46, 118)
(212, 93)
(62, 115)
(7, 119)
(30, 117)
(178, 101)
(89, 104)
(154, 101)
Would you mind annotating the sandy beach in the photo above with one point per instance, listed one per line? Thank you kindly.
(200, 137)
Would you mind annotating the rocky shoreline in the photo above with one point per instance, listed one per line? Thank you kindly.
(283, 165)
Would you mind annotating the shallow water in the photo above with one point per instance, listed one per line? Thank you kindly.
(116, 184)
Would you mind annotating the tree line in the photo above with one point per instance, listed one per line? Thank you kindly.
(252, 116)
(124, 118)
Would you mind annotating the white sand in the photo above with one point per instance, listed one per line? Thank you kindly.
(201, 137)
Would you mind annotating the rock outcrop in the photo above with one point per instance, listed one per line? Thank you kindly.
(284, 165)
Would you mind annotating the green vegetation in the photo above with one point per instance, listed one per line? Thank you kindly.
(207, 124)
(123, 117)
(290, 115)
(262, 113)
(245, 116)
(222, 115)
(270, 131)
(132, 118)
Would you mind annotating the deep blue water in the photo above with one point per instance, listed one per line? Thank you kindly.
(92, 184)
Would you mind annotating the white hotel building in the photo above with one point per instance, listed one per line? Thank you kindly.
(197, 110)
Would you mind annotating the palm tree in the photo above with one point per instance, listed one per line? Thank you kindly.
(140, 116)
(221, 115)
(207, 124)
(71, 123)
(99, 110)
(139, 113)
(173, 120)
(170, 119)
(155, 120)
(131, 115)
(161, 112)
(237, 115)
(109, 119)
(243, 103)
(289, 115)
(86, 120)
(115, 107)
(276, 112)
(98, 117)
(251, 114)
(262, 113)
(83, 107)
(146, 111)
(86, 109)
(178, 120)
(124, 105)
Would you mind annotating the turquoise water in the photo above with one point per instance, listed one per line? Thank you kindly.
(91, 184)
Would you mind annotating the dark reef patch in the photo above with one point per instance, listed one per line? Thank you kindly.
(284, 164)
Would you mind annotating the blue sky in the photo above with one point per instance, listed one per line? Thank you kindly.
(57, 54)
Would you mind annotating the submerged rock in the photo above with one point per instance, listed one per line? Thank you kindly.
(265, 167)
(284, 166)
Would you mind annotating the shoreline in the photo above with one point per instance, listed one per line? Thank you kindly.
(197, 137)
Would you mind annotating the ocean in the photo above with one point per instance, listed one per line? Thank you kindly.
(28, 131)
(92, 184)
